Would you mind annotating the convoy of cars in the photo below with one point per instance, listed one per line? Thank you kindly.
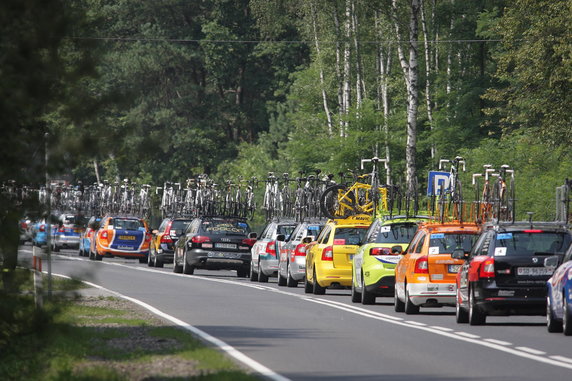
(498, 268)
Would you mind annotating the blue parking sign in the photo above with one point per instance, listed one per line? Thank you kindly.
(435, 180)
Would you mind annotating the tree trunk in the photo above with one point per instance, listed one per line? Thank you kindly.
(428, 72)
(319, 58)
(384, 67)
(360, 85)
(413, 100)
(347, 71)
(339, 70)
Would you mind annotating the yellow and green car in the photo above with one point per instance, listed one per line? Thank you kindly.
(373, 266)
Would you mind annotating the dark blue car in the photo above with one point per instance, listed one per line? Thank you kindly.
(559, 299)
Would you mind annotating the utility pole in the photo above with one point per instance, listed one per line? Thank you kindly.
(48, 219)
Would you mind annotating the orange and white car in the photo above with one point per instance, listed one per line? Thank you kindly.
(426, 274)
(126, 237)
(329, 258)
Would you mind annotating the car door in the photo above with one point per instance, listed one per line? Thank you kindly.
(407, 262)
(315, 251)
(481, 248)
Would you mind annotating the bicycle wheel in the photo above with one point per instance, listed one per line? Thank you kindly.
(336, 203)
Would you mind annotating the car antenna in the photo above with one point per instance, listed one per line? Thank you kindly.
(530, 218)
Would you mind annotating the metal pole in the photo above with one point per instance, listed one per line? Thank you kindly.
(37, 265)
(48, 220)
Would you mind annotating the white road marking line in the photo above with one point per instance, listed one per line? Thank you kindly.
(466, 334)
(231, 351)
(499, 342)
(416, 323)
(442, 328)
(562, 358)
(499, 345)
(531, 350)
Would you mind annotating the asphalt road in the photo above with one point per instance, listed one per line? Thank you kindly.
(306, 337)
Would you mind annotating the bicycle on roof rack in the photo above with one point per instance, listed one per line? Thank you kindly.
(451, 199)
(563, 201)
(483, 196)
(504, 194)
(341, 201)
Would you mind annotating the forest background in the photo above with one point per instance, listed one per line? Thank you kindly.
(166, 90)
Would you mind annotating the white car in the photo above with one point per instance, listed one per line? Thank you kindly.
(264, 263)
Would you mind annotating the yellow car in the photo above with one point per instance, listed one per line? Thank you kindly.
(329, 258)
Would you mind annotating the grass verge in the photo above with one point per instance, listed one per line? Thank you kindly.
(101, 338)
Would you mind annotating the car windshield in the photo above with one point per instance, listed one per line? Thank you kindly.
(179, 226)
(225, 227)
(394, 233)
(126, 224)
(350, 236)
(448, 242)
(532, 242)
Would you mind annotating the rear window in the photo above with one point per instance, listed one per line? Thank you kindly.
(394, 233)
(125, 224)
(350, 236)
(448, 242)
(225, 227)
(286, 230)
(524, 244)
(179, 226)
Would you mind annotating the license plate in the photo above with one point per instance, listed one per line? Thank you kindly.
(123, 247)
(454, 268)
(214, 254)
(225, 245)
(127, 237)
(534, 271)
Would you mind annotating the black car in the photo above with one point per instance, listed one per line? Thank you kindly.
(214, 243)
(162, 247)
(504, 274)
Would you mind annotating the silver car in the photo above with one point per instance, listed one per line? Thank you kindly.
(292, 253)
(264, 262)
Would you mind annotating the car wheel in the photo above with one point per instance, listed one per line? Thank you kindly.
(143, 260)
(552, 324)
(308, 287)
(253, 275)
(410, 308)
(461, 314)
(55, 248)
(176, 267)
(158, 262)
(398, 305)
(281, 280)
(187, 269)
(262, 278)
(356, 295)
(290, 281)
(316, 288)
(566, 315)
(366, 297)
(476, 315)
(97, 256)
(242, 273)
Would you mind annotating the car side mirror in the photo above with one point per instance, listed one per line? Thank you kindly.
(281, 237)
(252, 235)
(551, 262)
(308, 239)
(459, 254)
(397, 249)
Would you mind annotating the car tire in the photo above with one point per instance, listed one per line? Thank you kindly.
(253, 275)
(316, 288)
(476, 315)
(552, 325)
(308, 287)
(150, 261)
(55, 248)
(461, 314)
(290, 281)
(281, 280)
(566, 315)
(262, 278)
(158, 262)
(410, 308)
(187, 269)
(176, 267)
(242, 272)
(366, 297)
(356, 295)
(97, 256)
(143, 260)
(398, 305)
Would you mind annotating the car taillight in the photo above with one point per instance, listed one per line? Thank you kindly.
(104, 234)
(299, 251)
(23, 225)
(533, 231)
(166, 238)
(380, 251)
(42, 228)
(421, 265)
(487, 269)
(200, 239)
(271, 248)
(328, 253)
(249, 241)
(61, 229)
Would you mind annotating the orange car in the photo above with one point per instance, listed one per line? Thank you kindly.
(426, 274)
(126, 237)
